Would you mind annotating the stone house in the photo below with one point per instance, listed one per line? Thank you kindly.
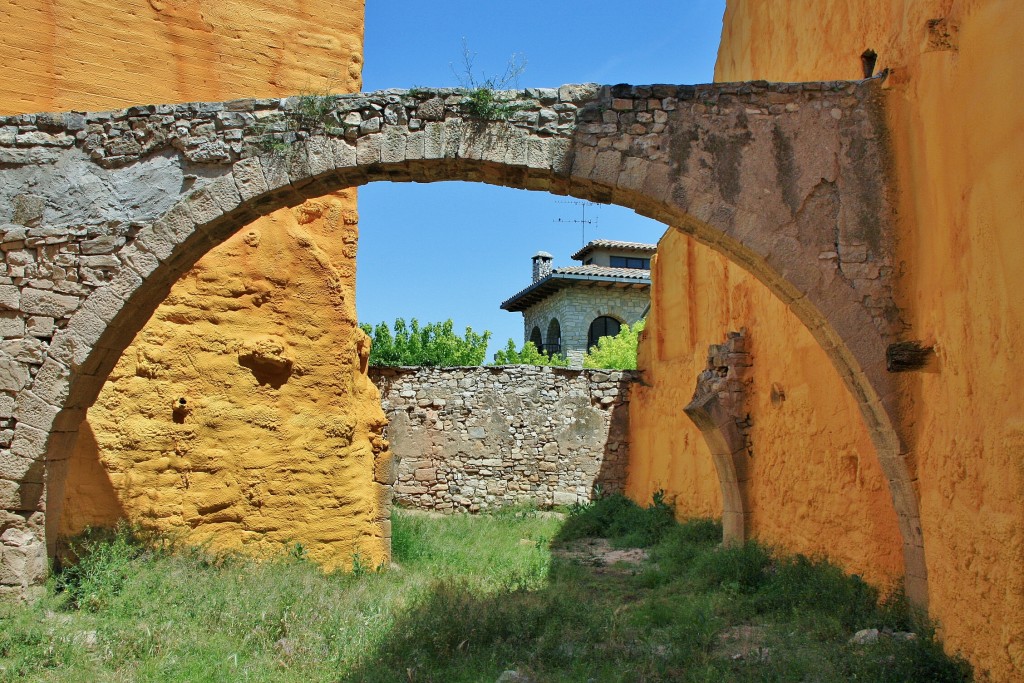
(566, 310)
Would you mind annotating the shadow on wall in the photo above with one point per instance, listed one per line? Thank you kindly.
(611, 476)
(90, 498)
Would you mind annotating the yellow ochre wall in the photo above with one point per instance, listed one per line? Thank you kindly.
(956, 111)
(817, 486)
(276, 445)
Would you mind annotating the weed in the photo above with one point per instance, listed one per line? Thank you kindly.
(312, 111)
(485, 101)
(105, 559)
(359, 566)
(620, 520)
(315, 111)
(274, 139)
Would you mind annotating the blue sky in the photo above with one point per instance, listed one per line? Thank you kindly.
(457, 250)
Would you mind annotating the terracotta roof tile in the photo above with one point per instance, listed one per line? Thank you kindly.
(614, 244)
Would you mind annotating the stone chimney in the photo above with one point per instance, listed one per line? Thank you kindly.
(542, 265)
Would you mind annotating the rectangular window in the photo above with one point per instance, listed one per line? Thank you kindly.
(630, 262)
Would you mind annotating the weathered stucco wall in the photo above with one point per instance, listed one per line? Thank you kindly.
(469, 439)
(263, 453)
(955, 110)
(816, 484)
(85, 55)
(270, 447)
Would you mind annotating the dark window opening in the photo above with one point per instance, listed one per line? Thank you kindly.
(630, 262)
(602, 327)
(588, 262)
(554, 344)
(535, 337)
(867, 61)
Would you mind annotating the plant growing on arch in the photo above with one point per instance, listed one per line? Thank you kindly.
(484, 101)
(433, 344)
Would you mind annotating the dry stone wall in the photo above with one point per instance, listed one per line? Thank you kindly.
(469, 439)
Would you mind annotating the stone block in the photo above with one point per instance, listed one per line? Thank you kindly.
(104, 244)
(14, 375)
(565, 498)
(344, 153)
(319, 155)
(213, 200)
(11, 324)
(178, 223)
(10, 297)
(368, 149)
(426, 474)
(249, 178)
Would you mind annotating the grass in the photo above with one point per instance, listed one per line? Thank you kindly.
(472, 597)
(313, 111)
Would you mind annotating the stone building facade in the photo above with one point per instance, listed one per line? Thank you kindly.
(469, 439)
(565, 310)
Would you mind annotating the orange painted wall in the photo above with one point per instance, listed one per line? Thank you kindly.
(817, 485)
(956, 112)
(105, 54)
(257, 462)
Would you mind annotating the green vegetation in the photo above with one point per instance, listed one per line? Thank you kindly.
(528, 355)
(470, 597)
(434, 344)
(313, 111)
(618, 352)
(484, 101)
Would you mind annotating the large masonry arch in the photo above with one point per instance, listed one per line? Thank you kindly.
(788, 180)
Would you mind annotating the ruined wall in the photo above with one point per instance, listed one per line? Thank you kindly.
(816, 484)
(955, 110)
(469, 439)
(274, 443)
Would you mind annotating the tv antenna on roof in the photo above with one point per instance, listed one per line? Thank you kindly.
(583, 220)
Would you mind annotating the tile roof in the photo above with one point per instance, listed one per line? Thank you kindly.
(613, 244)
(606, 271)
(564, 277)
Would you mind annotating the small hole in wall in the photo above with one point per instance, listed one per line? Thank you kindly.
(867, 61)
(778, 394)
(179, 412)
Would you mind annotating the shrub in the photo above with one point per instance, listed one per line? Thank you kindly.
(620, 520)
(434, 344)
(618, 352)
(528, 355)
(103, 561)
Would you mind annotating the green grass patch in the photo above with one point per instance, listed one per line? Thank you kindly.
(470, 597)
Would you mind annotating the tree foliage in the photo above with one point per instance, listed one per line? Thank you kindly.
(433, 344)
(528, 355)
(617, 352)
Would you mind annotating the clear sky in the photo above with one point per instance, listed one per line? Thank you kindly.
(457, 250)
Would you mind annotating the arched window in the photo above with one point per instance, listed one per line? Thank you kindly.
(554, 344)
(604, 326)
(535, 338)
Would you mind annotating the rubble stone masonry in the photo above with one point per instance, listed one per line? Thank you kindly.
(469, 439)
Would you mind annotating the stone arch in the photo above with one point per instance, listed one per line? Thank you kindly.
(807, 214)
(553, 340)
